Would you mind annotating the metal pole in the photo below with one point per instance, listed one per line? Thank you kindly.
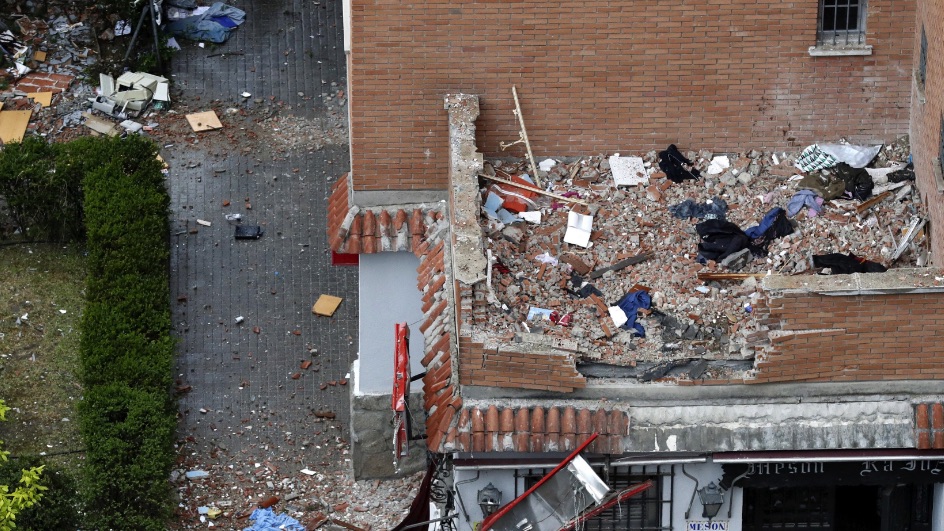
(134, 36)
(157, 42)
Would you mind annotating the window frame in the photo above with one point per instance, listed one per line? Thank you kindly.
(657, 500)
(921, 71)
(835, 42)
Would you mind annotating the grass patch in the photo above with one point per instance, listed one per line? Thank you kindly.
(39, 358)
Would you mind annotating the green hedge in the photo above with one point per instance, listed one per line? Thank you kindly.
(42, 202)
(129, 435)
(127, 414)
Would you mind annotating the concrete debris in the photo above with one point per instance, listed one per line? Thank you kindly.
(130, 94)
(628, 237)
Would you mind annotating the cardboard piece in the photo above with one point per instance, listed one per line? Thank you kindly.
(39, 56)
(42, 98)
(326, 305)
(13, 125)
(98, 125)
(204, 121)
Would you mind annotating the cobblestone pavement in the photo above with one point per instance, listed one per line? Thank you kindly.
(253, 413)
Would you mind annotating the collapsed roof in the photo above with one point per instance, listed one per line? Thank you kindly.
(635, 243)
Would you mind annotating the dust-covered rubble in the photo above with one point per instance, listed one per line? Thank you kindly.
(636, 244)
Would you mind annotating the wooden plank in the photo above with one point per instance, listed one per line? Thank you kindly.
(99, 125)
(633, 260)
(729, 276)
(13, 125)
(204, 121)
(872, 202)
(532, 189)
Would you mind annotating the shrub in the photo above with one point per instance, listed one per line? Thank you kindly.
(127, 416)
(42, 202)
(128, 434)
(60, 506)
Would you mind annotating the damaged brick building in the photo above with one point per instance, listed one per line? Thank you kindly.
(814, 394)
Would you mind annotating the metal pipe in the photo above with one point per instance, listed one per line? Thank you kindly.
(459, 497)
(731, 488)
(690, 502)
(427, 522)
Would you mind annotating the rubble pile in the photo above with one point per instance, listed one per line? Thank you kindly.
(635, 244)
(221, 490)
(49, 58)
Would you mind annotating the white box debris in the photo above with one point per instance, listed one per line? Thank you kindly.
(628, 171)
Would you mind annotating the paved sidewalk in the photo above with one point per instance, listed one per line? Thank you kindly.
(252, 416)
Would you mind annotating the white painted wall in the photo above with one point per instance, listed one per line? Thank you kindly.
(704, 473)
(388, 295)
(468, 486)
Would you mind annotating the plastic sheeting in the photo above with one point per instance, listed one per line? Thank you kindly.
(214, 25)
(267, 520)
(855, 156)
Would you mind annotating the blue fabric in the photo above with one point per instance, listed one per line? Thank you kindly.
(207, 26)
(690, 209)
(803, 198)
(266, 520)
(631, 304)
(226, 22)
(758, 230)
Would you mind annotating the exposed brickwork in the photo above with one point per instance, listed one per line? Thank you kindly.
(821, 338)
(929, 426)
(927, 111)
(506, 367)
(536, 429)
(597, 77)
(44, 82)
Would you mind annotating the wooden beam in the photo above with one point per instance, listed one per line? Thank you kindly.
(872, 202)
(532, 189)
(729, 276)
(524, 136)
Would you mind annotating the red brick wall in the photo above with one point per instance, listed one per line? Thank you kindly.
(926, 117)
(854, 338)
(597, 76)
(523, 370)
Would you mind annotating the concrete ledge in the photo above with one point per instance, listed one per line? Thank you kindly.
(375, 198)
(893, 282)
(839, 51)
(784, 426)
(631, 392)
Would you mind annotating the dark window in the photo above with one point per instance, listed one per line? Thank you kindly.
(841, 22)
(922, 59)
(940, 155)
(642, 512)
(838, 508)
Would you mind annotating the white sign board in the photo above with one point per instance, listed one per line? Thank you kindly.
(704, 525)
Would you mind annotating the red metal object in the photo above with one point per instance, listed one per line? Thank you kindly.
(619, 497)
(487, 523)
(344, 259)
(401, 391)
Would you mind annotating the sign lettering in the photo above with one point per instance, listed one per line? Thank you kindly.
(720, 525)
